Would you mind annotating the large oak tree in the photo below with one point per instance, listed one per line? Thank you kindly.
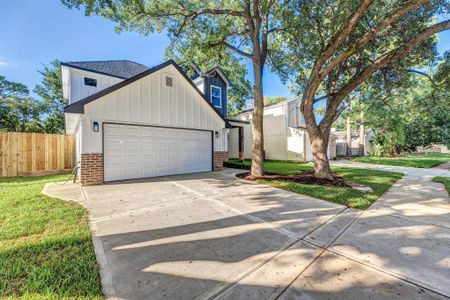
(331, 48)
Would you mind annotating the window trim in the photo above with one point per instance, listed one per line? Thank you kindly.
(211, 95)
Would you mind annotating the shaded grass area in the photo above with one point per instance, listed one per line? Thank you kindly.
(444, 180)
(46, 250)
(379, 181)
(408, 160)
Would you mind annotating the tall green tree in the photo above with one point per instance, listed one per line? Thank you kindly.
(332, 48)
(244, 27)
(18, 111)
(413, 112)
(50, 92)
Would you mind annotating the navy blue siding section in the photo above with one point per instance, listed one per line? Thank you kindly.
(217, 81)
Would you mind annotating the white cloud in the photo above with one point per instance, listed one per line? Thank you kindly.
(3, 63)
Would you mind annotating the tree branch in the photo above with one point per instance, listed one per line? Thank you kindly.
(390, 57)
(235, 49)
(340, 37)
(228, 12)
(366, 38)
(315, 77)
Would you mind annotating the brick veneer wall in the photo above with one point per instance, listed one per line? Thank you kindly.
(91, 171)
(219, 157)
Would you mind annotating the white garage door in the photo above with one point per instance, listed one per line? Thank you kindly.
(143, 151)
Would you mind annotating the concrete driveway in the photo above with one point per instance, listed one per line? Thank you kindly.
(212, 235)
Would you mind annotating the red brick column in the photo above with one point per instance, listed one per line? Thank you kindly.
(219, 157)
(91, 171)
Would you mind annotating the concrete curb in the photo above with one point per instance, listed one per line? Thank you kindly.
(105, 273)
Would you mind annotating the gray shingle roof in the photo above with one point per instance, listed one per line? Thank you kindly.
(118, 68)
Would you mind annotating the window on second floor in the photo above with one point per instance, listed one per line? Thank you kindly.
(216, 96)
(90, 81)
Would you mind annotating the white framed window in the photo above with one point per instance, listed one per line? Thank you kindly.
(216, 96)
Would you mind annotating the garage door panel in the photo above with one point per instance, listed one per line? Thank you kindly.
(132, 131)
(146, 145)
(113, 159)
(132, 172)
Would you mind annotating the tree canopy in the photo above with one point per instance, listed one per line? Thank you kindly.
(332, 50)
(50, 92)
(21, 112)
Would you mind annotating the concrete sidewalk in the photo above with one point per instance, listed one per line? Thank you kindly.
(212, 235)
(415, 172)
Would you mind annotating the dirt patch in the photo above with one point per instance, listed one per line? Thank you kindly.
(307, 178)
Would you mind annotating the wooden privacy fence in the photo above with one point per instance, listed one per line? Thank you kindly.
(35, 153)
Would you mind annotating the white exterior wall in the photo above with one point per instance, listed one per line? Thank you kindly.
(294, 114)
(148, 101)
(233, 146)
(78, 146)
(200, 83)
(295, 144)
(74, 88)
(281, 140)
(275, 137)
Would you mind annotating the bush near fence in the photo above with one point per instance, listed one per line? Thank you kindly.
(35, 153)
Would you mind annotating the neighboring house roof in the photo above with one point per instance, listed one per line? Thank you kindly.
(78, 106)
(123, 69)
(265, 106)
(237, 121)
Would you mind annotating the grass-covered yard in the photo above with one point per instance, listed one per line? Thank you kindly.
(408, 160)
(379, 181)
(46, 250)
(444, 180)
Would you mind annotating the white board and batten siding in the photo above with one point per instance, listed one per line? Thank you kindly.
(148, 101)
(74, 88)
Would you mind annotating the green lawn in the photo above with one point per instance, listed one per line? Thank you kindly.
(445, 181)
(409, 160)
(379, 181)
(46, 250)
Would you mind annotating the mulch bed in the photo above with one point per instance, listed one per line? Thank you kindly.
(306, 178)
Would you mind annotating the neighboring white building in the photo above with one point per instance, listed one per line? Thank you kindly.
(132, 121)
(285, 135)
(341, 142)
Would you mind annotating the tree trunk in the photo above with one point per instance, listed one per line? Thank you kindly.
(361, 135)
(319, 146)
(348, 149)
(257, 122)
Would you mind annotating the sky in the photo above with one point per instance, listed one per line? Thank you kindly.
(35, 32)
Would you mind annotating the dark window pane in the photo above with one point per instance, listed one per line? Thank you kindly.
(90, 81)
(169, 81)
(216, 96)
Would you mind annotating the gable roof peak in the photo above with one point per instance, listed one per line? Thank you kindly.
(78, 106)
